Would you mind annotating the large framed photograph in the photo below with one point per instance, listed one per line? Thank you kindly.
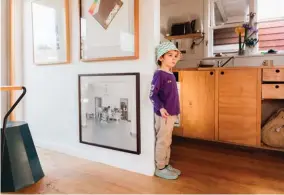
(109, 111)
(50, 30)
(109, 30)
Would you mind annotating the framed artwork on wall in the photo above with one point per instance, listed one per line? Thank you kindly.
(109, 30)
(50, 30)
(109, 111)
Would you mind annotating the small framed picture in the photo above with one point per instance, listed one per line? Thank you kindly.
(109, 30)
(109, 114)
(50, 29)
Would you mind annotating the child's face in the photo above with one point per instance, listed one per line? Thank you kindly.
(170, 59)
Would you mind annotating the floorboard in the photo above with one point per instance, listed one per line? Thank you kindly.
(206, 168)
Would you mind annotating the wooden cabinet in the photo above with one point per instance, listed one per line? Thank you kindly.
(225, 104)
(198, 102)
(273, 91)
(273, 86)
(237, 106)
(273, 74)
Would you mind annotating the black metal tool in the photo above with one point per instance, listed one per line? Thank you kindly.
(9, 88)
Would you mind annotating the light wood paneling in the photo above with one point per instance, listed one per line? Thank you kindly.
(258, 108)
(238, 106)
(216, 105)
(273, 91)
(273, 74)
(178, 131)
(241, 114)
(198, 104)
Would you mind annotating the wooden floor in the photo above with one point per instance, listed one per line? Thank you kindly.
(206, 168)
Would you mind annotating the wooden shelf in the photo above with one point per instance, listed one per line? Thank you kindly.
(188, 36)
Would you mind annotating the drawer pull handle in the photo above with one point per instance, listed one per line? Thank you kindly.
(276, 86)
(277, 71)
(222, 73)
(211, 73)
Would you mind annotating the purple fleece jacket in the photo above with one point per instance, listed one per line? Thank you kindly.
(164, 93)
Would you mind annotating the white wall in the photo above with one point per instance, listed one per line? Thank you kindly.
(51, 104)
(183, 11)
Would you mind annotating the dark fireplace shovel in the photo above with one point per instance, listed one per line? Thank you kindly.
(20, 165)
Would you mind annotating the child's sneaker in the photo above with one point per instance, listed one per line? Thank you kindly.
(166, 174)
(170, 168)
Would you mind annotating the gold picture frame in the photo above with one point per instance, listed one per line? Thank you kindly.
(109, 30)
(50, 29)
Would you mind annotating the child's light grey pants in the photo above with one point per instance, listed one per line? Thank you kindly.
(164, 129)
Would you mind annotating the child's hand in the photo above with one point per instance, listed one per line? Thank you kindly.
(164, 113)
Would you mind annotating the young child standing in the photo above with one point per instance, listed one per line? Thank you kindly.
(164, 96)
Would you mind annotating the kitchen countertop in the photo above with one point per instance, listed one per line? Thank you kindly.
(228, 68)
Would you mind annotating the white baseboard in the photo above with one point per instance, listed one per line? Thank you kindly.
(79, 153)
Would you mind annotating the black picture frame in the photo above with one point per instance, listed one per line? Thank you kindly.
(137, 136)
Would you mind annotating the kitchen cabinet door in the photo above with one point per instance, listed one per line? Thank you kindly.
(238, 106)
(198, 102)
(178, 130)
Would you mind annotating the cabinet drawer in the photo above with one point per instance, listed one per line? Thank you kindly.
(273, 74)
(273, 91)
